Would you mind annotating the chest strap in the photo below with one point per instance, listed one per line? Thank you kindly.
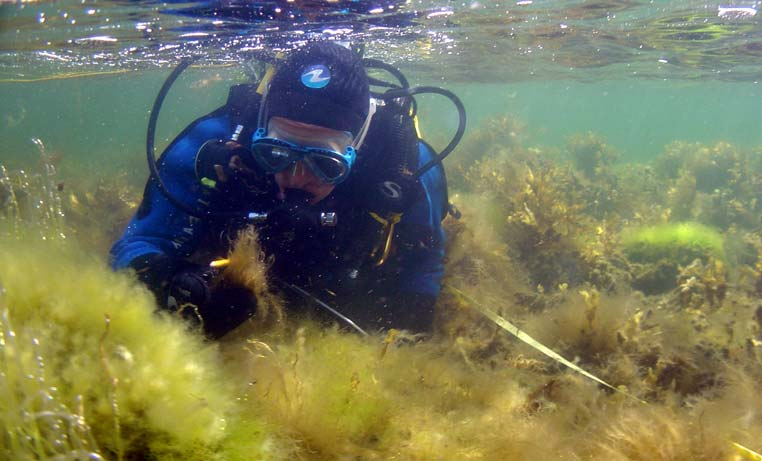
(381, 251)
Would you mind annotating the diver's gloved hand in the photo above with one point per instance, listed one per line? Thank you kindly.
(223, 164)
(229, 306)
(154, 270)
(189, 288)
(207, 303)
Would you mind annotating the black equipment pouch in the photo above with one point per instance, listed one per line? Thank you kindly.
(387, 161)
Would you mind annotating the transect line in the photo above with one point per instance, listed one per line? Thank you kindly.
(741, 450)
(747, 453)
(526, 338)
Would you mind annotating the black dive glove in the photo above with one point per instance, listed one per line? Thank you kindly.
(194, 292)
(217, 307)
(154, 270)
(189, 287)
(224, 164)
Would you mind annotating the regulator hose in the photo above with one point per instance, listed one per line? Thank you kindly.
(405, 92)
(151, 140)
(378, 64)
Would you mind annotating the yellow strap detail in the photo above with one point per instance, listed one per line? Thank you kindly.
(269, 72)
(417, 127)
(378, 218)
(208, 182)
(388, 232)
(394, 218)
(266, 79)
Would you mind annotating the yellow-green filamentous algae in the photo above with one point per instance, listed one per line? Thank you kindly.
(88, 370)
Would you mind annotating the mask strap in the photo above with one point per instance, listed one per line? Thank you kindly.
(262, 116)
(360, 138)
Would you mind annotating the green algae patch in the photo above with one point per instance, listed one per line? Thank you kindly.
(341, 396)
(677, 242)
(90, 370)
(322, 387)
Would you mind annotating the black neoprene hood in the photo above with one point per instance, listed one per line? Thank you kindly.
(322, 84)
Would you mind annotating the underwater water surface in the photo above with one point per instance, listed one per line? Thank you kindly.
(609, 183)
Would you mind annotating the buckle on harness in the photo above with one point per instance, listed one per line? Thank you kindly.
(382, 249)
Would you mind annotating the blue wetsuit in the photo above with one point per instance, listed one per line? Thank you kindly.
(399, 293)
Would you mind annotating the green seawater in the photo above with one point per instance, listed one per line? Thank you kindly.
(98, 124)
(636, 117)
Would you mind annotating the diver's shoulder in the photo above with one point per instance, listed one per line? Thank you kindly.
(215, 123)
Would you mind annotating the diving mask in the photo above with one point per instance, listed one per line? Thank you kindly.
(276, 155)
(328, 164)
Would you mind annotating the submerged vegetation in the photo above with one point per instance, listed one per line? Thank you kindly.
(91, 372)
(647, 276)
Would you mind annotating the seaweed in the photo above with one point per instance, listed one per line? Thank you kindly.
(91, 210)
(503, 136)
(678, 242)
(717, 185)
(97, 210)
(591, 155)
(647, 276)
(88, 367)
(31, 202)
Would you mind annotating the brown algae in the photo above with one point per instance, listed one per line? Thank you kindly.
(586, 254)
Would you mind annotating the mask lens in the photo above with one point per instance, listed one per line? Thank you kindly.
(274, 158)
(332, 168)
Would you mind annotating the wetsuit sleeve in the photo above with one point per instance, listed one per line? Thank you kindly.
(159, 230)
(420, 237)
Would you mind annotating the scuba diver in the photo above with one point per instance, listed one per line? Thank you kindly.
(346, 199)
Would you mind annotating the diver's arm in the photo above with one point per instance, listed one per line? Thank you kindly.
(156, 240)
(160, 235)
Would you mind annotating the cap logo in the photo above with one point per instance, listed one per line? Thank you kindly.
(316, 76)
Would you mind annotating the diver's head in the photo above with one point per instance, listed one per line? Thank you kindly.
(323, 84)
(315, 115)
